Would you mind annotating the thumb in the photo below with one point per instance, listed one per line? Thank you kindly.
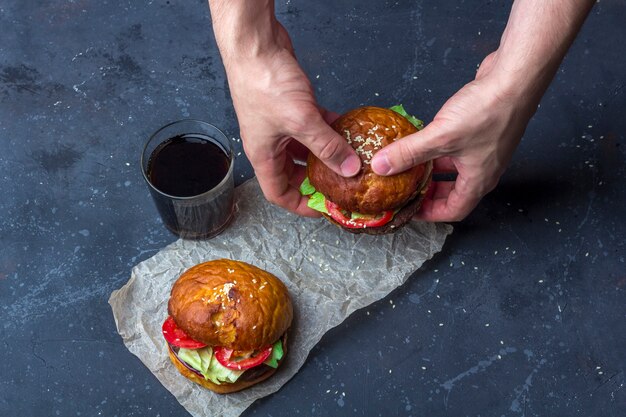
(330, 147)
(408, 152)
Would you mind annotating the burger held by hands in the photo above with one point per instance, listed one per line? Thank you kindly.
(368, 202)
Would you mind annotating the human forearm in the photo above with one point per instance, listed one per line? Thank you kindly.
(476, 131)
(536, 38)
(279, 118)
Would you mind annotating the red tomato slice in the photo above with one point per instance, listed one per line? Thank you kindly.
(175, 336)
(338, 216)
(224, 355)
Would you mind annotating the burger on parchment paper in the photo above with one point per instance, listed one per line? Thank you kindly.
(227, 324)
(369, 203)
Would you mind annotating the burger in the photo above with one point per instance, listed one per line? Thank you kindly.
(369, 203)
(227, 324)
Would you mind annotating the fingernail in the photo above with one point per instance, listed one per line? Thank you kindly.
(350, 166)
(380, 163)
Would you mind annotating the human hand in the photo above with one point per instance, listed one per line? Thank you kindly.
(280, 122)
(474, 135)
(477, 130)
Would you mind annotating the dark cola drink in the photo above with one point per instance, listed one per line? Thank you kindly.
(191, 181)
(187, 165)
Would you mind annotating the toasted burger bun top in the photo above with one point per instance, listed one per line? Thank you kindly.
(231, 304)
(368, 129)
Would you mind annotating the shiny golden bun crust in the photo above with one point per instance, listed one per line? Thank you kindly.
(368, 129)
(224, 388)
(231, 304)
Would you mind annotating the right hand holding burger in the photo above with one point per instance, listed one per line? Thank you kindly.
(474, 135)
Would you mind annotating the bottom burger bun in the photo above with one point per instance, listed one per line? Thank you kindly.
(224, 388)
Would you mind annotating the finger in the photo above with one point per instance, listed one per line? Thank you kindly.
(462, 197)
(298, 151)
(330, 147)
(273, 175)
(408, 152)
(329, 116)
(289, 199)
(297, 176)
(444, 165)
(301, 152)
(295, 180)
(442, 189)
(444, 210)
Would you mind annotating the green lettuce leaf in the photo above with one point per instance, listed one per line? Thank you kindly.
(306, 188)
(203, 361)
(277, 354)
(317, 201)
(218, 373)
(198, 359)
(414, 120)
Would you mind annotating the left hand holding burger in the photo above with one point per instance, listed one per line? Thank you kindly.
(279, 117)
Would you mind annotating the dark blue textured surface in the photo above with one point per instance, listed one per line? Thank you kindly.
(523, 313)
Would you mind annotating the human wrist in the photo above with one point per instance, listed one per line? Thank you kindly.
(535, 41)
(517, 84)
(244, 30)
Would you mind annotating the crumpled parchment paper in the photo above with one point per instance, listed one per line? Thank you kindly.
(330, 273)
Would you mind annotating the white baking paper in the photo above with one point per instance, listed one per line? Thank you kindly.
(330, 273)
